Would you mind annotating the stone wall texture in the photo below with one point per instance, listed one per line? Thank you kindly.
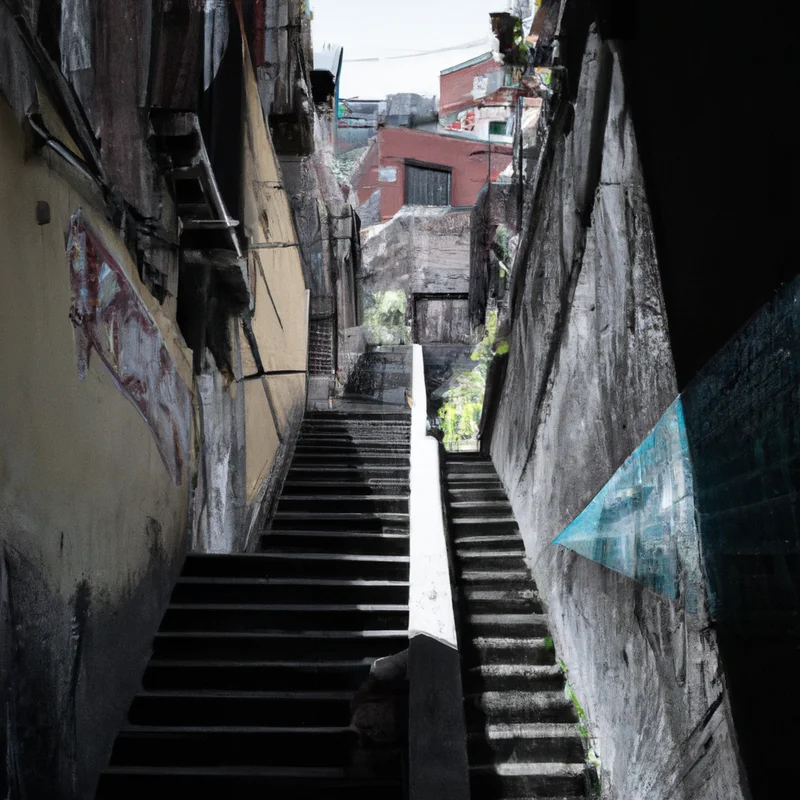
(590, 373)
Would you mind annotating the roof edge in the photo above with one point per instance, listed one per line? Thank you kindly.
(466, 64)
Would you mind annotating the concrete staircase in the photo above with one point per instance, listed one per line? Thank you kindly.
(522, 734)
(250, 688)
(320, 347)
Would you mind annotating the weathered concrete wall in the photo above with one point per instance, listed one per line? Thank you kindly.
(92, 527)
(247, 426)
(279, 312)
(590, 373)
(421, 250)
(101, 447)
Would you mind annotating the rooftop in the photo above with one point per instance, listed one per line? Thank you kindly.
(466, 64)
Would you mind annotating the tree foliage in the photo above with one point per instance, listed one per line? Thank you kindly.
(385, 318)
(460, 416)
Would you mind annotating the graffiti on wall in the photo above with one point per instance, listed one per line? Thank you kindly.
(111, 319)
(642, 522)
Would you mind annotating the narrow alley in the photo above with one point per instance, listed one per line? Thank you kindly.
(400, 400)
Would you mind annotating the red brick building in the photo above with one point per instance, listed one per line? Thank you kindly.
(416, 167)
(462, 85)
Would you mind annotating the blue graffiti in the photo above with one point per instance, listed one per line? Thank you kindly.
(642, 522)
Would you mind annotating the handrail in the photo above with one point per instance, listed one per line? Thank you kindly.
(437, 764)
(431, 600)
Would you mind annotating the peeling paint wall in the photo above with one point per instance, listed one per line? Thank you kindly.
(92, 525)
(114, 453)
(590, 373)
(249, 425)
(274, 404)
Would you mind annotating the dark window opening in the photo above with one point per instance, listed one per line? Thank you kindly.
(497, 129)
(427, 186)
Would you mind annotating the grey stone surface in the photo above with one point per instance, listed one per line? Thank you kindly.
(418, 250)
(590, 372)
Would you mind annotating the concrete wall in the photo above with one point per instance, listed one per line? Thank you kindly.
(112, 453)
(92, 527)
(274, 405)
(590, 373)
(247, 427)
(420, 251)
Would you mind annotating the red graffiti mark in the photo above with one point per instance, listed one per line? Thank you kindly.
(110, 319)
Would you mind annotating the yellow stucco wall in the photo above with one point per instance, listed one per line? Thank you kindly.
(80, 473)
(280, 323)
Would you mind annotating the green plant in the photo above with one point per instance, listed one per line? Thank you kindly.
(570, 692)
(385, 318)
(460, 416)
(583, 730)
(520, 54)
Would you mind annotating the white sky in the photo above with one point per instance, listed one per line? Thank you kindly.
(381, 28)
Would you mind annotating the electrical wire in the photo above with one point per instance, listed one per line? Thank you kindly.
(421, 53)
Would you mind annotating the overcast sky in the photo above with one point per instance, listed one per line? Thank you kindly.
(383, 28)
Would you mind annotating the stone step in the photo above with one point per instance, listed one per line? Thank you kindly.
(507, 677)
(482, 526)
(347, 446)
(518, 706)
(288, 590)
(505, 541)
(481, 507)
(400, 435)
(507, 624)
(358, 417)
(509, 560)
(516, 579)
(257, 617)
(532, 779)
(386, 522)
(356, 474)
(352, 503)
(526, 742)
(501, 601)
(348, 451)
(336, 541)
(250, 675)
(454, 473)
(302, 783)
(218, 746)
(263, 708)
(309, 645)
(454, 478)
(322, 458)
(473, 555)
(367, 487)
(298, 565)
(475, 493)
(508, 650)
(474, 484)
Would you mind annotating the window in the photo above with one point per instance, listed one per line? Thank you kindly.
(497, 129)
(427, 186)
